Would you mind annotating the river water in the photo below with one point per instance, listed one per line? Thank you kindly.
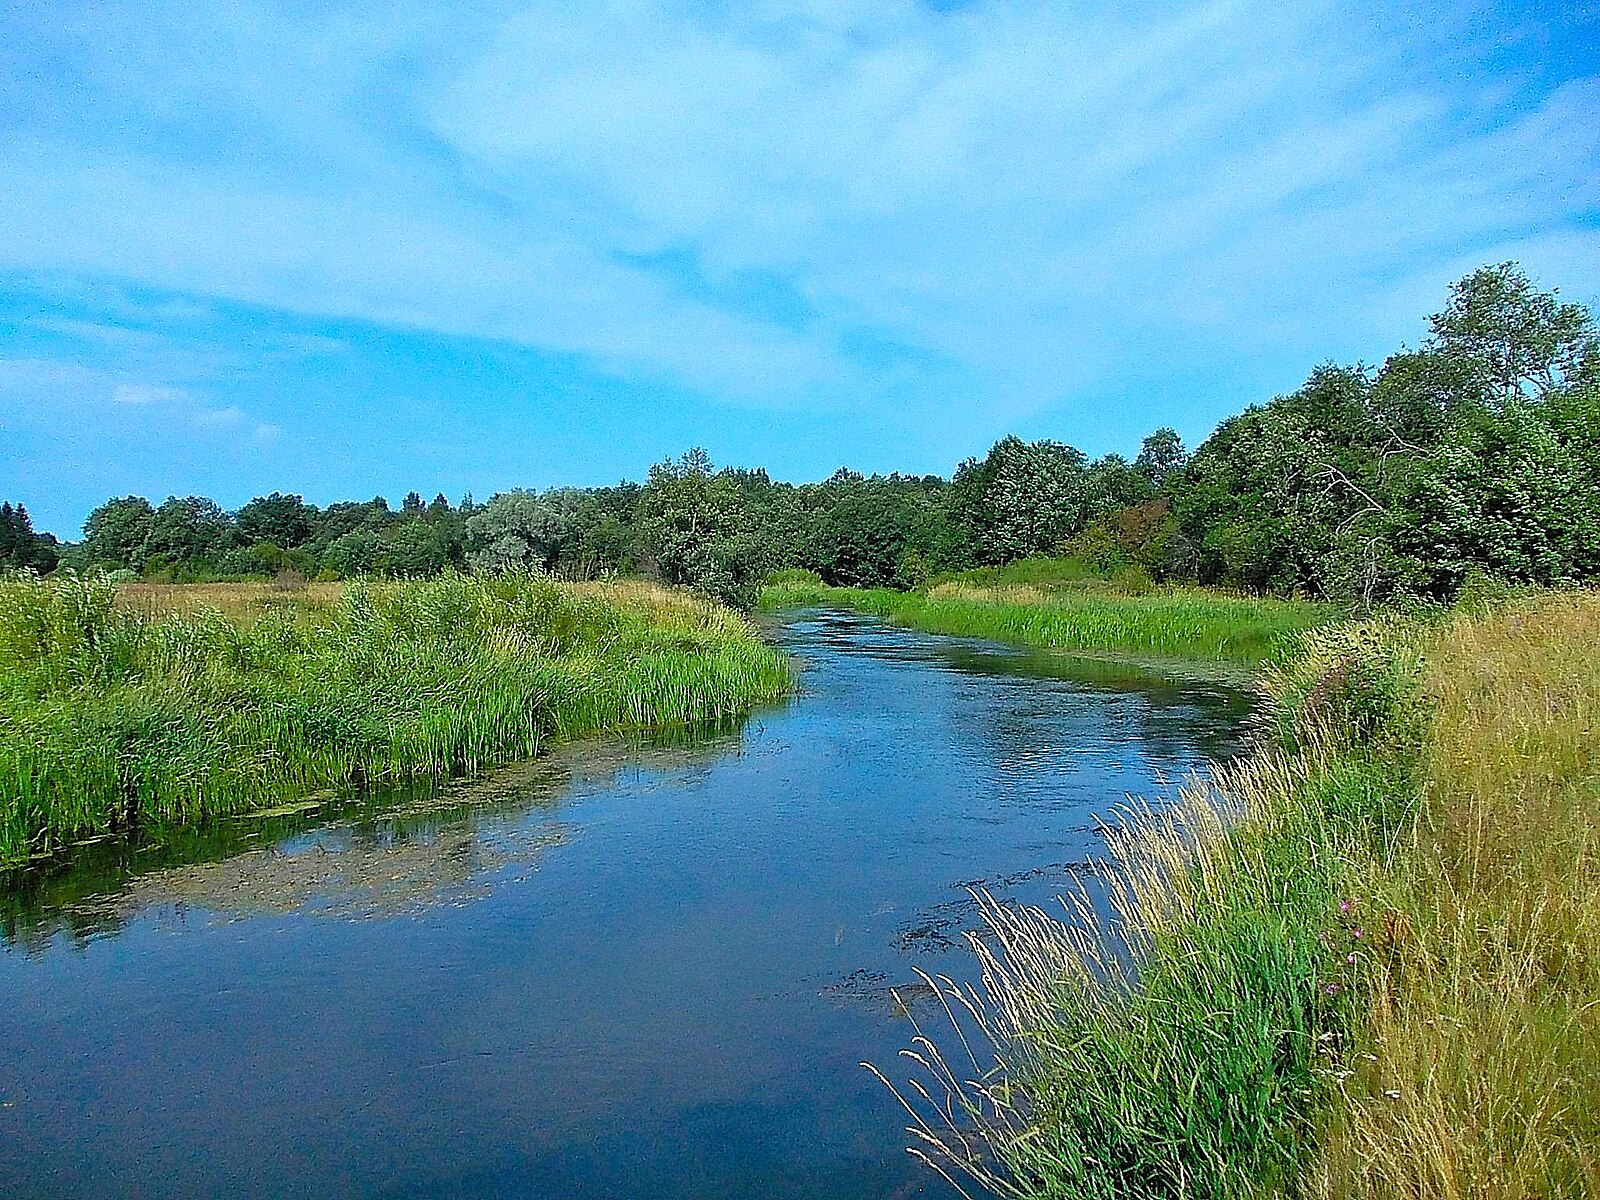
(642, 972)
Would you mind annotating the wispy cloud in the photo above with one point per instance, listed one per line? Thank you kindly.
(142, 393)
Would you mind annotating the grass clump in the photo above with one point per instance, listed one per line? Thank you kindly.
(1056, 604)
(146, 709)
(1364, 962)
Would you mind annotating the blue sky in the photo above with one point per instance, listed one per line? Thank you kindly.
(459, 247)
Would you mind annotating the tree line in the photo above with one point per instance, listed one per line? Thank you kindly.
(1478, 451)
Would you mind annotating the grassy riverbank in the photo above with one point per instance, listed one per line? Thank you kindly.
(159, 706)
(1042, 602)
(1365, 963)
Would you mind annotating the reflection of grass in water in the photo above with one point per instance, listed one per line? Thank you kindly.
(92, 889)
(355, 877)
(154, 711)
(1364, 963)
(1169, 623)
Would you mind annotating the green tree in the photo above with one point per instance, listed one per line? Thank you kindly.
(1283, 493)
(524, 529)
(1112, 484)
(1160, 455)
(411, 549)
(352, 553)
(1023, 498)
(20, 546)
(344, 518)
(285, 521)
(693, 530)
(1504, 341)
(190, 532)
(115, 534)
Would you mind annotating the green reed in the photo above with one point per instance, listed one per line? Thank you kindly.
(113, 718)
(1185, 1029)
(1076, 614)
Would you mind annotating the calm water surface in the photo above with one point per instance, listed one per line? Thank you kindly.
(624, 972)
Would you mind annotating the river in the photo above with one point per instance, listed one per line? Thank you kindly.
(644, 971)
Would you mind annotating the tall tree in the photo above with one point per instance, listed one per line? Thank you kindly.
(20, 546)
(524, 529)
(115, 534)
(191, 531)
(1160, 455)
(285, 521)
(694, 530)
(1023, 498)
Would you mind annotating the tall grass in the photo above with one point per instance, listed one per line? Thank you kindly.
(1479, 1067)
(146, 711)
(1032, 604)
(1362, 963)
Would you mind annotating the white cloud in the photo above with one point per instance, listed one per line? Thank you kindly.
(36, 389)
(140, 393)
(21, 376)
(1033, 197)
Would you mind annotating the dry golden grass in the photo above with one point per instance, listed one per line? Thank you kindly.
(241, 601)
(248, 601)
(1483, 1079)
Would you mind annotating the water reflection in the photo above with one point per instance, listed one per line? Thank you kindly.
(341, 856)
(644, 971)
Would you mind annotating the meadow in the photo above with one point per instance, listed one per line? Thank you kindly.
(148, 707)
(1362, 963)
(1056, 604)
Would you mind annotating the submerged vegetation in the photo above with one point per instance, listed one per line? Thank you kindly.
(1363, 963)
(1057, 604)
(156, 707)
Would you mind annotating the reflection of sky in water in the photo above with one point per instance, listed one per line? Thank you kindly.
(646, 972)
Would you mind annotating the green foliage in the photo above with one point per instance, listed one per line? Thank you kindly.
(20, 546)
(1143, 537)
(1477, 450)
(412, 549)
(353, 553)
(695, 530)
(1023, 498)
(115, 533)
(1161, 455)
(190, 530)
(284, 521)
(520, 529)
(112, 719)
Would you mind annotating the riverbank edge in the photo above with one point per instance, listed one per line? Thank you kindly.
(1343, 967)
(1169, 625)
(120, 718)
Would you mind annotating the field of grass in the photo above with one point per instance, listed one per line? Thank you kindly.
(155, 706)
(1044, 603)
(1363, 964)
